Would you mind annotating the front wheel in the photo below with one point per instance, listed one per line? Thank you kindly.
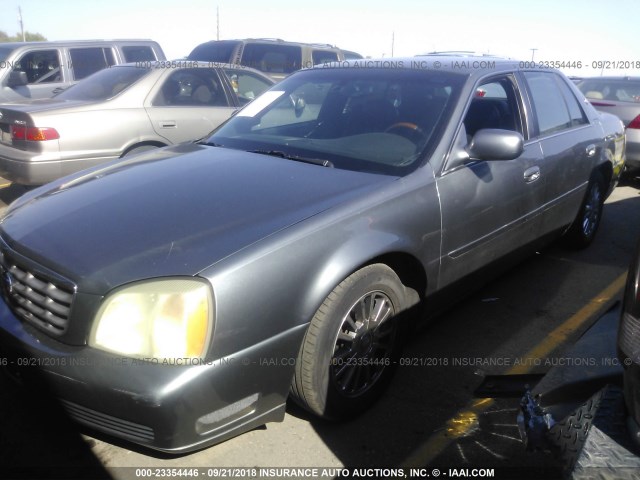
(583, 230)
(351, 347)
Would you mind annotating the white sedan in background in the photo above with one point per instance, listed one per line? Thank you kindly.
(119, 111)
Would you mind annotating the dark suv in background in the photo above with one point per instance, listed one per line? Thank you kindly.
(275, 57)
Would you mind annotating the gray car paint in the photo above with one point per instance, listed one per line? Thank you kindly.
(273, 238)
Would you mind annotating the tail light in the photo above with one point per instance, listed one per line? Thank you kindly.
(635, 123)
(33, 134)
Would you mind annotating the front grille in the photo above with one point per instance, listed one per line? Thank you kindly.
(35, 296)
(107, 423)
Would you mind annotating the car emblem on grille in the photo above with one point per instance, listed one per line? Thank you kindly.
(7, 279)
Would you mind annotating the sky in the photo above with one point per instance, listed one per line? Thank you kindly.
(585, 31)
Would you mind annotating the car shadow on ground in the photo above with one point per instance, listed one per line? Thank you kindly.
(38, 440)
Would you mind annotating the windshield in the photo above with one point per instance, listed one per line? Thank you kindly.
(618, 90)
(104, 84)
(369, 120)
(4, 54)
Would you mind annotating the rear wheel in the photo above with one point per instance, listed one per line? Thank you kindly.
(349, 352)
(584, 227)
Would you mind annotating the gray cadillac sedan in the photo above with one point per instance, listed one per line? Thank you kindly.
(179, 297)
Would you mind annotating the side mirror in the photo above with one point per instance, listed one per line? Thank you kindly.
(17, 79)
(495, 144)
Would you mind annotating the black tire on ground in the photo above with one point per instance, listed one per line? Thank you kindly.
(585, 226)
(350, 350)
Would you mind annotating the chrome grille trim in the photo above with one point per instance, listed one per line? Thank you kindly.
(38, 298)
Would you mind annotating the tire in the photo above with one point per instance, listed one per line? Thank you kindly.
(585, 226)
(140, 149)
(349, 352)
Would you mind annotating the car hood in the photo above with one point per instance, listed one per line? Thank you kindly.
(171, 212)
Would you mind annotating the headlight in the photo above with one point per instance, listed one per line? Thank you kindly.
(167, 318)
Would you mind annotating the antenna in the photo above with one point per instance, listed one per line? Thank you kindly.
(217, 23)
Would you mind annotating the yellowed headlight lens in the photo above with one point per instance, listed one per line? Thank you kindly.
(160, 319)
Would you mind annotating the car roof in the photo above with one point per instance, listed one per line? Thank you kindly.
(182, 63)
(472, 65)
(58, 43)
(613, 77)
(278, 41)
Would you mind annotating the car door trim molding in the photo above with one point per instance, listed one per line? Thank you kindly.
(516, 223)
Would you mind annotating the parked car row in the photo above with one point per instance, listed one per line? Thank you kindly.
(621, 97)
(281, 256)
(145, 104)
(118, 112)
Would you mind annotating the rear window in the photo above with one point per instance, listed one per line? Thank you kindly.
(617, 90)
(213, 52)
(324, 56)
(104, 84)
(272, 58)
(138, 54)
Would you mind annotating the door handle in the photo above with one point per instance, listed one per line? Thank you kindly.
(591, 150)
(168, 124)
(531, 174)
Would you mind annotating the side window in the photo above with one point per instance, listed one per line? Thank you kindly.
(138, 54)
(323, 56)
(246, 85)
(575, 110)
(191, 87)
(549, 103)
(494, 105)
(41, 66)
(85, 61)
(272, 58)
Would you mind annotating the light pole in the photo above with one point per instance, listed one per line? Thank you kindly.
(21, 24)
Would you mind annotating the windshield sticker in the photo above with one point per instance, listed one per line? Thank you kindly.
(260, 103)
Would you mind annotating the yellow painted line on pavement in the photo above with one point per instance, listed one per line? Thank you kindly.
(467, 419)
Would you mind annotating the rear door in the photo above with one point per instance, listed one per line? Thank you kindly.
(570, 144)
(490, 208)
(188, 103)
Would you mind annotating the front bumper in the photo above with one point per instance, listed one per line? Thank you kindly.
(172, 408)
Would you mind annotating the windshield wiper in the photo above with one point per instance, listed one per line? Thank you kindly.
(281, 154)
(208, 144)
